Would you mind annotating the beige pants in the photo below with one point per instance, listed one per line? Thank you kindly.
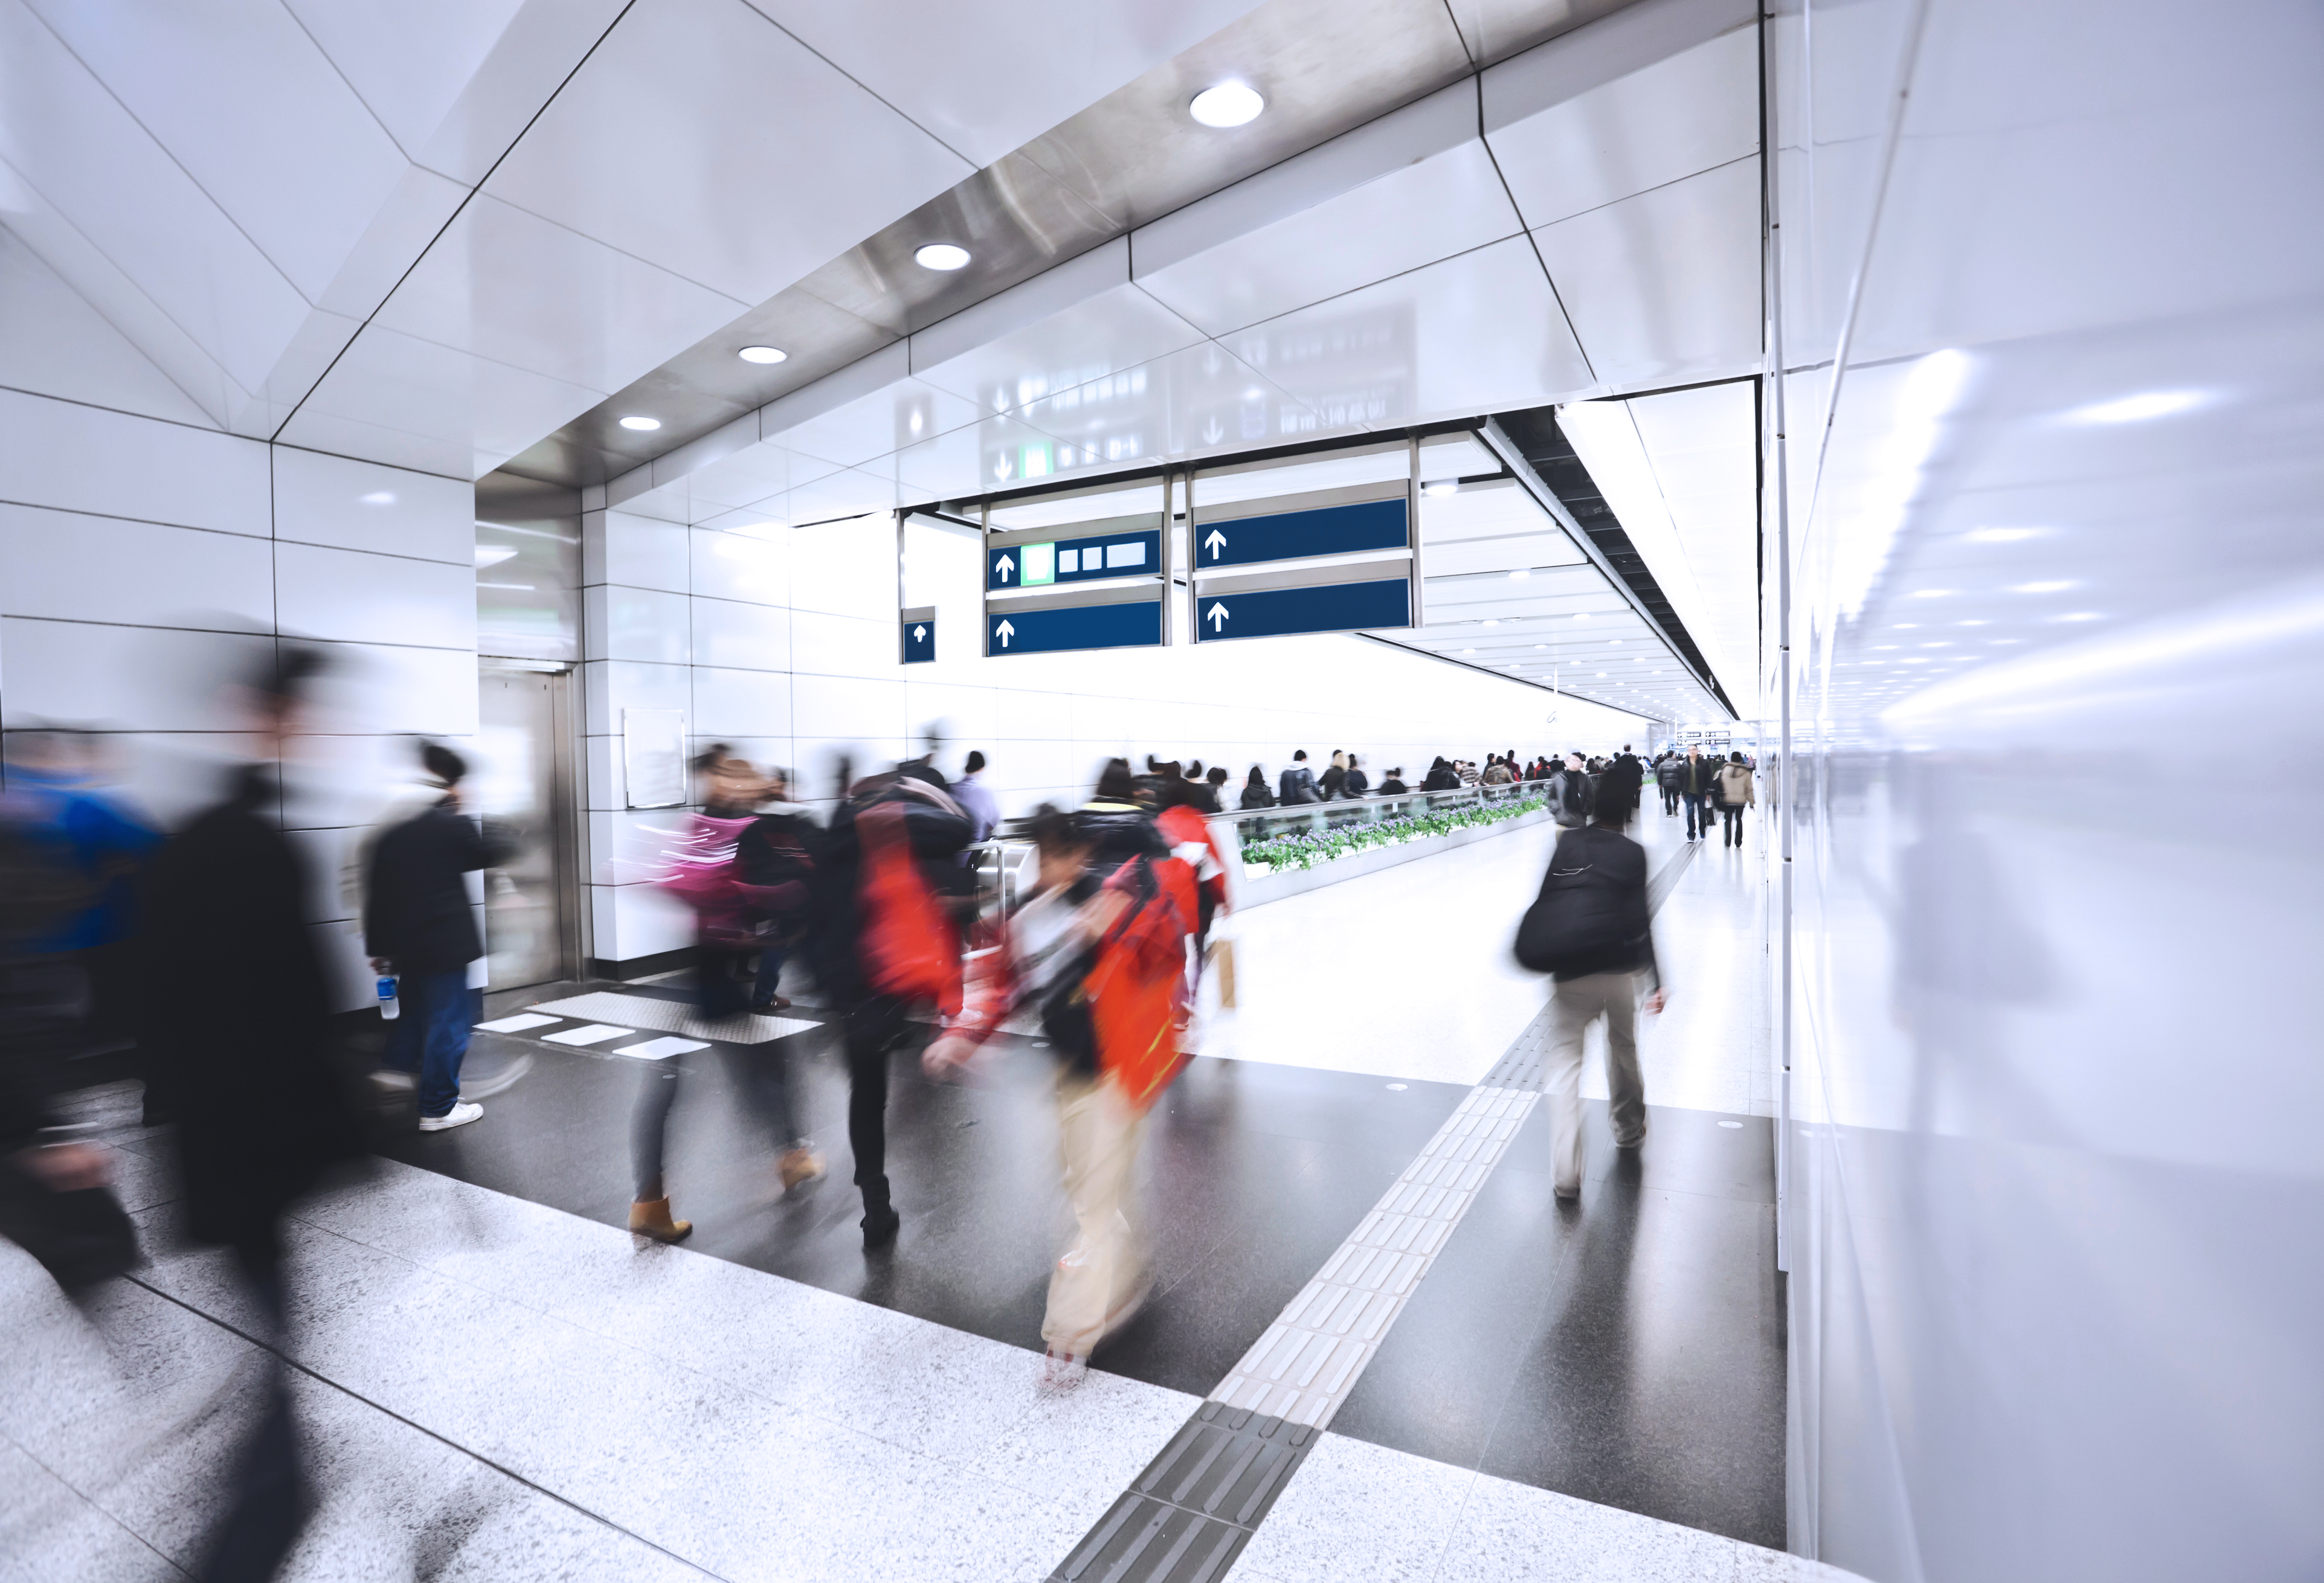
(1102, 1274)
(1573, 1004)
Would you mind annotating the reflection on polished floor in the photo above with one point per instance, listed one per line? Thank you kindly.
(501, 1383)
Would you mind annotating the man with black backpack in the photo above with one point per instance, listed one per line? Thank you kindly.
(1590, 930)
(1298, 784)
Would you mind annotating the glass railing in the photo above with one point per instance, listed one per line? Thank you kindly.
(1270, 841)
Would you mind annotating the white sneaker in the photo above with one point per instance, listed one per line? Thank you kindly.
(459, 1115)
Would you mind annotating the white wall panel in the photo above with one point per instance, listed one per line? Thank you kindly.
(109, 464)
(71, 567)
(123, 679)
(848, 708)
(635, 551)
(755, 568)
(612, 686)
(634, 846)
(347, 595)
(54, 342)
(621, 623)
(847, 567)
(742, 637)
(741, 702)
(631, 921)
(381, 688)
(846, 646)
(1665, 286)
(362, 505)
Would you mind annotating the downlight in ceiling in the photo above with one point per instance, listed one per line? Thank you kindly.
(1228, 104)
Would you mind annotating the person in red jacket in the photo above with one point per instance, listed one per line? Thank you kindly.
(1099, 950)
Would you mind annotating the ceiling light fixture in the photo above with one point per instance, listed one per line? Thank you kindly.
(2137, 408)
(1227, 104)
(643, 425)
(1442, 486)
(941, 256)
(380, 497)
(763, 354)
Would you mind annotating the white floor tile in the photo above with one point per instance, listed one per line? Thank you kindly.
(1354, 1510)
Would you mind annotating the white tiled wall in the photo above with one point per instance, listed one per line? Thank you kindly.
(144, 562)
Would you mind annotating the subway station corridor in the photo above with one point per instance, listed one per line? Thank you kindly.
(1161, 791)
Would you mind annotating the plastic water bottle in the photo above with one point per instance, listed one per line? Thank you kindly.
(389, 1006)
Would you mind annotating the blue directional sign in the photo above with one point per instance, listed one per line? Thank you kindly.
(1289, 535)
(1330, 607)
(1046, 561)
(919, 641)
(1046, 629)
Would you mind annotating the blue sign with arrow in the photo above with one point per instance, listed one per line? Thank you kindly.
(1057, 561)
(1291, 535)
(919, 641)
(1040, 629)
(1330, 607)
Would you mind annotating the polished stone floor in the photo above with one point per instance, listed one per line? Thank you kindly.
(500, 1383)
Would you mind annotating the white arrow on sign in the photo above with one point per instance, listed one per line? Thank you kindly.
(1217, 615)
(1211, 433)
(1004, 631)
(1004, 565)
(918, 633)
(1216, 542)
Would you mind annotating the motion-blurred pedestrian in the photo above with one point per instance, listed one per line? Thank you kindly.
(1737, 792)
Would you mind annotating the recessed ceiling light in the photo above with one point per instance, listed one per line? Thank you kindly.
(380, 497)
(640, 424)
(2137, 408)
(2041, 587)
(1442, 487)
(940, 255)
(763, 354)
(1227, 104)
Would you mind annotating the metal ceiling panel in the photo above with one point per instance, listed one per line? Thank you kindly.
(706, 140)
(1410, 216)
(1663, 287)
(1490, 509)
(1447, 341)
(1525, 552)
(986, 79)
(1495, 29)
(1569, 139)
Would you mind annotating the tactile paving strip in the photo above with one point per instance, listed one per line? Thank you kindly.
(1188, 1516)
(672, 1016)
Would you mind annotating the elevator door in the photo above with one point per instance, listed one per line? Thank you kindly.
(525, 779)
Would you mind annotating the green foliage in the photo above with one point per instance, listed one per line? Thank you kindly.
(1284, 853)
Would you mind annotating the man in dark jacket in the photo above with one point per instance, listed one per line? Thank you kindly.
(235, 1017)
(1667, 773)
(845, 951)
(1604, 982)
(1698, 779)
(419, 925)
(1297, 784)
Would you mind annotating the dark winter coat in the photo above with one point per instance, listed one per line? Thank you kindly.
(417, 912)
(937, 828)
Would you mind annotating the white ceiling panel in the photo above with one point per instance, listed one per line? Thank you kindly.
(899, 413)
(1086, 339)
(544, 41)
(703, 138)
(260, 118)
(413, 403)
(409, 62)
(515, 289)
(849, 492)
(994, 453)
(1451, 456)
(987, 78)
(1411, 217)
(1665, 286)
(72, 142)
(1523, 552)
(1493, 509)
(1681, 114)
(1479, 333)
(1128, 501)
(1189, 403)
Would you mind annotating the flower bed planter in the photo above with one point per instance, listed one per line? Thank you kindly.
(1289, 866)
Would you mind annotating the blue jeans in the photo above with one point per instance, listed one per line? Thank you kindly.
(770, 973)
(1698, 813)
(431, 1037)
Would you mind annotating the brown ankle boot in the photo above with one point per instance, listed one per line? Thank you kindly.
(650, 1217)
(798, 1165)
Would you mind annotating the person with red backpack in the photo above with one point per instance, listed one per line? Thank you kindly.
(884, 943)
(1099, 950)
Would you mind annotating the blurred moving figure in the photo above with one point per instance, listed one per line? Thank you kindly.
(1441, 776)
(419, 925)
(1188, 834)
(1571, 795)
(235, 1018)
(1336, 777)
(1736, 792)
(1255, 794)
(975, 799)
(1591, 930)
(1697, 779)
(1297, 783)
(1394, 787)
(1619, 785)
(883, 946)
(708, 874)
(778, 849)
(1099, 950)
(1668, 769)
(1357, 783)
(1213, 799)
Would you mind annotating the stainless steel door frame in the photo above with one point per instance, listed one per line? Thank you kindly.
(532, 771)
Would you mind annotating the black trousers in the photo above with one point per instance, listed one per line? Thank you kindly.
(1732, 832)
(1670, 799)
(269, 1502)
(875, 1028)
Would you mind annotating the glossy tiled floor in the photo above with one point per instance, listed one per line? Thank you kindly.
(504, 1385)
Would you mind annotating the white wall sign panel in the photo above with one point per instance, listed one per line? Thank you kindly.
(1478, 333)
(702, 137)
(1665, 286)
